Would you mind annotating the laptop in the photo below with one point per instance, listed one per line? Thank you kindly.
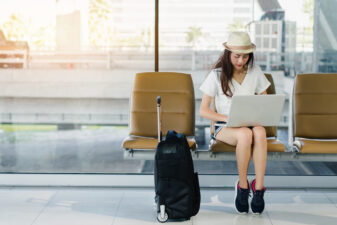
(255, 110)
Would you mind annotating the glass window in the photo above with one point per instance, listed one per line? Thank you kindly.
(274, 29)
(266, 43)
(66, 82)
(67, 110)
(199, 47)
(325, 37)
(258, 29)
(274, 43)
(258, 42)
(242, 10)
(266, 29)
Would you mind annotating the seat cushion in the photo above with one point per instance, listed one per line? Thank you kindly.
(316, 146)
(135, 142)
(219, 146)
(273, 145)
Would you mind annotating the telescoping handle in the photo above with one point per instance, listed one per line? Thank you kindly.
(158, 118)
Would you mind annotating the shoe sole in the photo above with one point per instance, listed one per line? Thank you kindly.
(256, 213)
(236, 193)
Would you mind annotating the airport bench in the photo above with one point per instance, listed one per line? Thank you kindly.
(315, 114)
(177, 110)
(142, 141)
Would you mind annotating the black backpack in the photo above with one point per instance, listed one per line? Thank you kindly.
(176, 184)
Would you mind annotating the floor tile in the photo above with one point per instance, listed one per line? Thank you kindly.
(217, 207)
(138, 207)
(82, 207)
(112, 206)
(332, 196)
(302, 214)
(22, 206)
(296, 197)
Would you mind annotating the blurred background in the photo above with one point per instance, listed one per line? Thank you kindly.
(67, 70)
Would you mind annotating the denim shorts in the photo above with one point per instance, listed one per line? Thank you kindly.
(217, 128)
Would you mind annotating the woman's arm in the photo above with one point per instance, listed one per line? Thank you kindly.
(264, 93)
(208, 113)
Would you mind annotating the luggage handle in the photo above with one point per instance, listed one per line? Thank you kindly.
(158, 118)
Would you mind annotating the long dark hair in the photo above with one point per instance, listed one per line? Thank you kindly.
(224, 63)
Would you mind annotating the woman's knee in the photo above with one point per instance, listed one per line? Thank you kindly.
(245, 136)
(225, 136)
(259, 134)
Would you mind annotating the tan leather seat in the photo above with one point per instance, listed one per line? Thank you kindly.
(315, 113)
(273, 144)
(177, 108)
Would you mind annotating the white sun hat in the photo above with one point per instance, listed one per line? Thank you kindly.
(239, 42)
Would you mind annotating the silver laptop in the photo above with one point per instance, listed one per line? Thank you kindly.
(254, 110)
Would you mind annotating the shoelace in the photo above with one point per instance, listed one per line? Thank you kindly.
(245, 194)
(259, 195)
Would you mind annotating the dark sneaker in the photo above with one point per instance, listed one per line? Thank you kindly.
(241, 198)
(257, 203)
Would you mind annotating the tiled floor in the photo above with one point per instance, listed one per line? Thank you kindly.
(111, 206)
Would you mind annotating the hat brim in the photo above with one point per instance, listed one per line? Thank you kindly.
(240, 49)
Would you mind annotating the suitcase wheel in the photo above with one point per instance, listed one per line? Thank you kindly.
(162, 215)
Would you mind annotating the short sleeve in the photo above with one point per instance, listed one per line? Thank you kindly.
(209, 86)
(262, 82)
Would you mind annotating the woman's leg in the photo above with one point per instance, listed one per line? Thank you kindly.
(242, 139)
(259, 155)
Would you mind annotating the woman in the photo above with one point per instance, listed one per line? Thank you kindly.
(235, 74)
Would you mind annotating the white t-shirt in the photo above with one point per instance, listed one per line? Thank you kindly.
(255, 82)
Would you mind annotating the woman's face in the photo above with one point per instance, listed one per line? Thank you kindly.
(239, 60)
